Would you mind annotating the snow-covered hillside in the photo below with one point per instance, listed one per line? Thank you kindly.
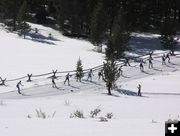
(132, 115)
(42, 54)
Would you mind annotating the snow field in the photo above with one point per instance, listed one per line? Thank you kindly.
(132, 115)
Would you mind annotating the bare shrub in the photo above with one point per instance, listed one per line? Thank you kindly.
(43, 115)
(103, 119)
(77, 114)
(109, 115)
(95, 112)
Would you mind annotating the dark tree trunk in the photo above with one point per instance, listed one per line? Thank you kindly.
(109, 91)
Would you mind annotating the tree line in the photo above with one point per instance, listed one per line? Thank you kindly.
(107, 22)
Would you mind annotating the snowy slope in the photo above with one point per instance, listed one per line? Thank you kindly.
(132, 115)
(41, 55)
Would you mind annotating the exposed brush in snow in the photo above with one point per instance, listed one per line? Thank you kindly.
(103, 119)
(28, 116)
(43, 115)
(153, 121)
(40, 114)
(95, 112)
(77, 114)
(109, 115)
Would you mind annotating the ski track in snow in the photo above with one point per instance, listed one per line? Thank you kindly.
(129, 74)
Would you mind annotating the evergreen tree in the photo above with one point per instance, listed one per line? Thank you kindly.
(23, 27)
(79, 70)
(109, 50)
(9, 9)
(98, 25)
(110, 73)
(94, 19)
(22, 12)
(168, 33)
(60, 12)
(120, 36)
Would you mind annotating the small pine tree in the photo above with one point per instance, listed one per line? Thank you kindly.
(111, 73)
(79, 70)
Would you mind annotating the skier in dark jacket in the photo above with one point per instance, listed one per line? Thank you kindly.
(100, 74)
(127, 62)
(141, 67)
(18, 87)
(150, 63)
(150, 55)
(54, 73)
(90, 74)
(139, 90)
(53, 82)
(67, 79)
(167, 57)
(163, 60)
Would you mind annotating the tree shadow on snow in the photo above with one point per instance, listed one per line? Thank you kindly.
(157, 69)
(147, 73)
(111, 95)
(125, 76)
(93, 82)
(174, 64)
(37, 37)
(42, 37)
(144, 44)
(126, 92)
(43, 41)
(74, 87)
(169, 66)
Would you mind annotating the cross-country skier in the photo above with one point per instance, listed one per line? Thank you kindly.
(139, 90)
(18, 87)
(163, 60)
(90, 74)
(67, 79)
(150, 55)
(167, 57)
(100, 74)
(54, 73)
(150, 63)
(53, 82)
(141, 67)
(127, 62)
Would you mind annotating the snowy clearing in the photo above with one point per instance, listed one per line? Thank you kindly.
(132, 115)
